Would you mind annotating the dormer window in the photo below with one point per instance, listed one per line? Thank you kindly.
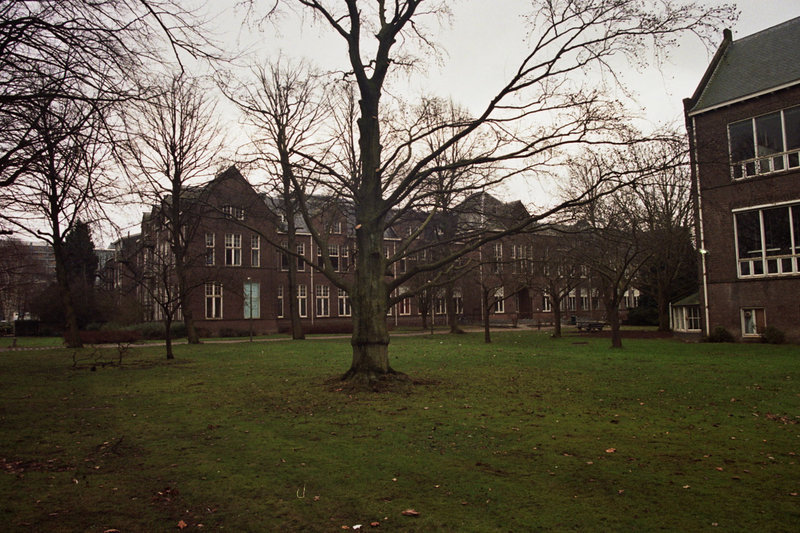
(233, 212)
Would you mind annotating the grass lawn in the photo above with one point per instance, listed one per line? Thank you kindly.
(528, 433)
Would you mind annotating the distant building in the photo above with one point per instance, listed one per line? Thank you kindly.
(744, 130)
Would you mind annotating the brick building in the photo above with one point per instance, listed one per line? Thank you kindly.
(239, 274)
(744, 130)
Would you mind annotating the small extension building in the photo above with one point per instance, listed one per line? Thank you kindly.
(744, 133)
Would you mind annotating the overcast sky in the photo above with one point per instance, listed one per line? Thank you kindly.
(481, 46)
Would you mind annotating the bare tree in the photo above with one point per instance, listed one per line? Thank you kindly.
(666, 206)
(80, 51)
(541, 107)
(286, 109)
(65, 183)
(173, 139)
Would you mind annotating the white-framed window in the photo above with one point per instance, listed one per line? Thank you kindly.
(405, 307)
(499, 300)
(458, 301)
(572, 301)
(302, 300)
(301, 252)
(337, 227)
(323, 300)
(284, 257)
(233, 249)
(231, 211)
(497, 249)
(210, 243)
(765, 144)
(631, 298)
(547, 304)
(344, 303)
(252, 299)
(279, 309)
(754, 321)
(768, 240)
(584, 300)
(213, 300)
(686, 318)
(439, 303)
(255, 250)
(333, 252)
(344, 258)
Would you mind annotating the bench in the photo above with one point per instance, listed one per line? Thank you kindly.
(590, 325)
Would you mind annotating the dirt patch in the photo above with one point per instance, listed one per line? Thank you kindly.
(395, 383)
(627, 334)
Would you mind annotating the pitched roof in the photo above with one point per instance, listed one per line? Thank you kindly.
(750, 66)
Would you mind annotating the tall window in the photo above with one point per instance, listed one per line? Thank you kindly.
(210, 242)
(301, 252)
(547, 304)
(333, 252)
(279, 311)
(458, 301)
(213, 300)
(302, 300)
(571, 301)
(768, 241)
(344, 258)
(323, 305)
(255, 250)
(440, 303)
(344, 303)
(765, 144)
(405, 307)
(252, 299)
(497, 266)
(284, 257)
(233, 249)
(584, 300)
(499, 300)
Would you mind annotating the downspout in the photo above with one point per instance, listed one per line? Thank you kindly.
(691, 125)
(312, 296)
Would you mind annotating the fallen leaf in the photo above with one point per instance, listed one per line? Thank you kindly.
(611, 450)
(111, 531)
(410, 512)
(374, 524)
(686, 486)
(182, 525)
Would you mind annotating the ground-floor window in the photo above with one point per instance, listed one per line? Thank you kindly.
(405, 307)
(279, 309)
(458, 301)
(213, 300)
(499, 300)
(252, 299)
(753, 321)
(323, 306)
(302, 300)
(547, 304)
(344, 303)
(686, 318)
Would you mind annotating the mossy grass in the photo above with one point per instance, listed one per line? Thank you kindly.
(527, 433)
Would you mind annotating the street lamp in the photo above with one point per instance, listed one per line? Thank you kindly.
(250, 296)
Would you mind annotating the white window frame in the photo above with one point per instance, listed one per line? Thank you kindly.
(280, 301)
(213, 300)
(322, 300)
(302, 301)
(233, 249)
(500, 301)
(765, 265)
(344, 303)
(255, 250)
(749, 317)
(764, 164)
(211, 240)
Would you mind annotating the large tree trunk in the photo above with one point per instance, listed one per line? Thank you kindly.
(291, 244)
(612, 313)
(183, 294)
(168, 335)
(487, 333)
(555, 302)
(452, 318)
(72, 335)
(370, 302)
(662, 297)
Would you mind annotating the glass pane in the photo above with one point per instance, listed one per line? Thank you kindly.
(769, 134)
(786, 265)
(777, 232)
(794, 160)
(777, 163)
(748, 232)
(750, 169)
(744, 267)
(796, 227)
(742, 145)
(772, 266)
(791, 119)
